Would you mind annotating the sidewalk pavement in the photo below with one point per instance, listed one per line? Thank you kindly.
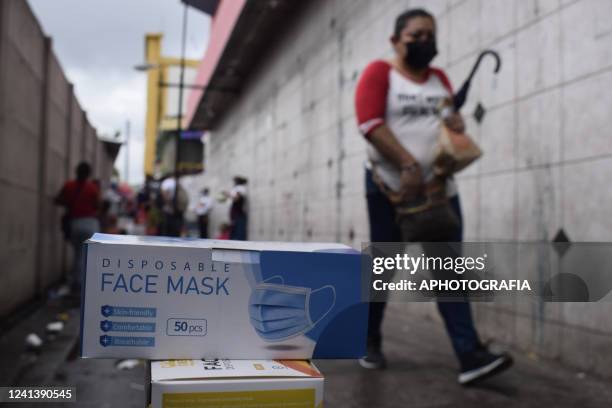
(421, 373)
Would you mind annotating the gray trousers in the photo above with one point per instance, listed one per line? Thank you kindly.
(81, 229)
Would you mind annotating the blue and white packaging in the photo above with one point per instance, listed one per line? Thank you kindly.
(173, 298)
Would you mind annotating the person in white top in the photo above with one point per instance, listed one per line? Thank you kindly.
(397, 107)
(173, 208)
(202, 210)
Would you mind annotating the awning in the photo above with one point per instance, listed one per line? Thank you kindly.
(206, 6)
(242, 33)
(111, 147)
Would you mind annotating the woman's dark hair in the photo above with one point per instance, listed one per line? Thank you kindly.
(402, 19)
(83, 170)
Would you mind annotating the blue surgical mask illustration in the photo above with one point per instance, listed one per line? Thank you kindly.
(280, 312)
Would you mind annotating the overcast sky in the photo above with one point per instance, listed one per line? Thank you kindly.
(99, 42)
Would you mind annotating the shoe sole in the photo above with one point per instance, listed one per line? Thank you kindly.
(371, 366)
(491, 369)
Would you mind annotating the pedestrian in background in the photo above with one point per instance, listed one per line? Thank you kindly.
(202, 210)
(81, 198)
(397, 103)
(238, 209)
(173, 209)
(224, 231)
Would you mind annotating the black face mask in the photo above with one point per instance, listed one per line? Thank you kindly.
(420, 53)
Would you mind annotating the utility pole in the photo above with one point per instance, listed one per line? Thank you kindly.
(127, 152)
(179, 124)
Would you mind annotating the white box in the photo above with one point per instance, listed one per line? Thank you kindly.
(235, 383)
(165, 298)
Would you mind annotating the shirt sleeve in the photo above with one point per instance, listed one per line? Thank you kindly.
(371, 97)
(444, 79)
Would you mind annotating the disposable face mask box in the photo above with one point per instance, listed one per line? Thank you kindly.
(159, 298)
(235, 383)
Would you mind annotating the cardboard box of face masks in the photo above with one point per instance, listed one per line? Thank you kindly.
(232, 383)
(159, 298)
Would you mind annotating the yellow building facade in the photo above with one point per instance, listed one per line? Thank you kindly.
(159, 116)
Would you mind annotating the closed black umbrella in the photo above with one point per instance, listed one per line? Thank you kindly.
(460, 97)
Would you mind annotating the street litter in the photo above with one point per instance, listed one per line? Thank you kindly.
(33, 341)
(55, 327)
(60, 292)
(63, 290)
(127, 364)
(64, 317)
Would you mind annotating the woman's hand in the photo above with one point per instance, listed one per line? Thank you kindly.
(455, 123)
(411, 182)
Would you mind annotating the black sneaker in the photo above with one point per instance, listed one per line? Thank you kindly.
(481, 364)
(374, 359)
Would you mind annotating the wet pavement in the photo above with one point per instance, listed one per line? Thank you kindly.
(421, 373)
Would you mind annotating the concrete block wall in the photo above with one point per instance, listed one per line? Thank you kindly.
(547, 161)
(56, 171)
(22, 78)
(44, 133)
(77, 129)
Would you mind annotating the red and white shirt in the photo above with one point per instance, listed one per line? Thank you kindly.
(409, 108)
